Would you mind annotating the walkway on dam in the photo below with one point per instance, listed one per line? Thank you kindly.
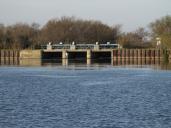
(74, 46)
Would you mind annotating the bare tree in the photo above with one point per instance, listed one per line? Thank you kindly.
(162, 28)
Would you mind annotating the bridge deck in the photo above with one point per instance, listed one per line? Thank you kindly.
(79, 46)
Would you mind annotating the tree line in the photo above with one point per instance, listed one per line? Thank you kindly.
(69, 29)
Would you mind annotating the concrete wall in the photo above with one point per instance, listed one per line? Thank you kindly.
(30, 54)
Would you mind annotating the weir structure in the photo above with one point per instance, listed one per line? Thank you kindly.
(84, 53)
(65, 53)
(80, 52)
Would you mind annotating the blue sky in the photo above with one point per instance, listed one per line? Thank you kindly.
(131, 14)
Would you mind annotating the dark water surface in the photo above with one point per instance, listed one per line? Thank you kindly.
(85, 97)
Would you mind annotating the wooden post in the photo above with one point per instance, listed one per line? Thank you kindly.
(161, 54)
(147, 56)
(153, 55)
(119, 55)
(131, 56)
(127, 56)
(135, 56)
(114, 55)
(2, 57)
(8, 56)
(143, 57)
(11, 56)
(143, 54)
(123, 56)
(139, 56)
(156, 55)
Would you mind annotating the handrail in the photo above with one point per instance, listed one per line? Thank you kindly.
(80, 46)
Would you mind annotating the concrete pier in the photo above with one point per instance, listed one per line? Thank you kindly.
(64, 54)
(88, 54)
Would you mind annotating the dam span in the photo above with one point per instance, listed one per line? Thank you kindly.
(64, 53)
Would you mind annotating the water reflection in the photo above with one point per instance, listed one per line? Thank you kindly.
(30, 62)
(124, 62)
(53, 62)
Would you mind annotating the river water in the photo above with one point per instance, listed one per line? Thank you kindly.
(85, 97)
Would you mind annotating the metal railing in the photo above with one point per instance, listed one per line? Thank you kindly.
(79, 46)
(61, 46)
(84, 46)
(108, 46)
